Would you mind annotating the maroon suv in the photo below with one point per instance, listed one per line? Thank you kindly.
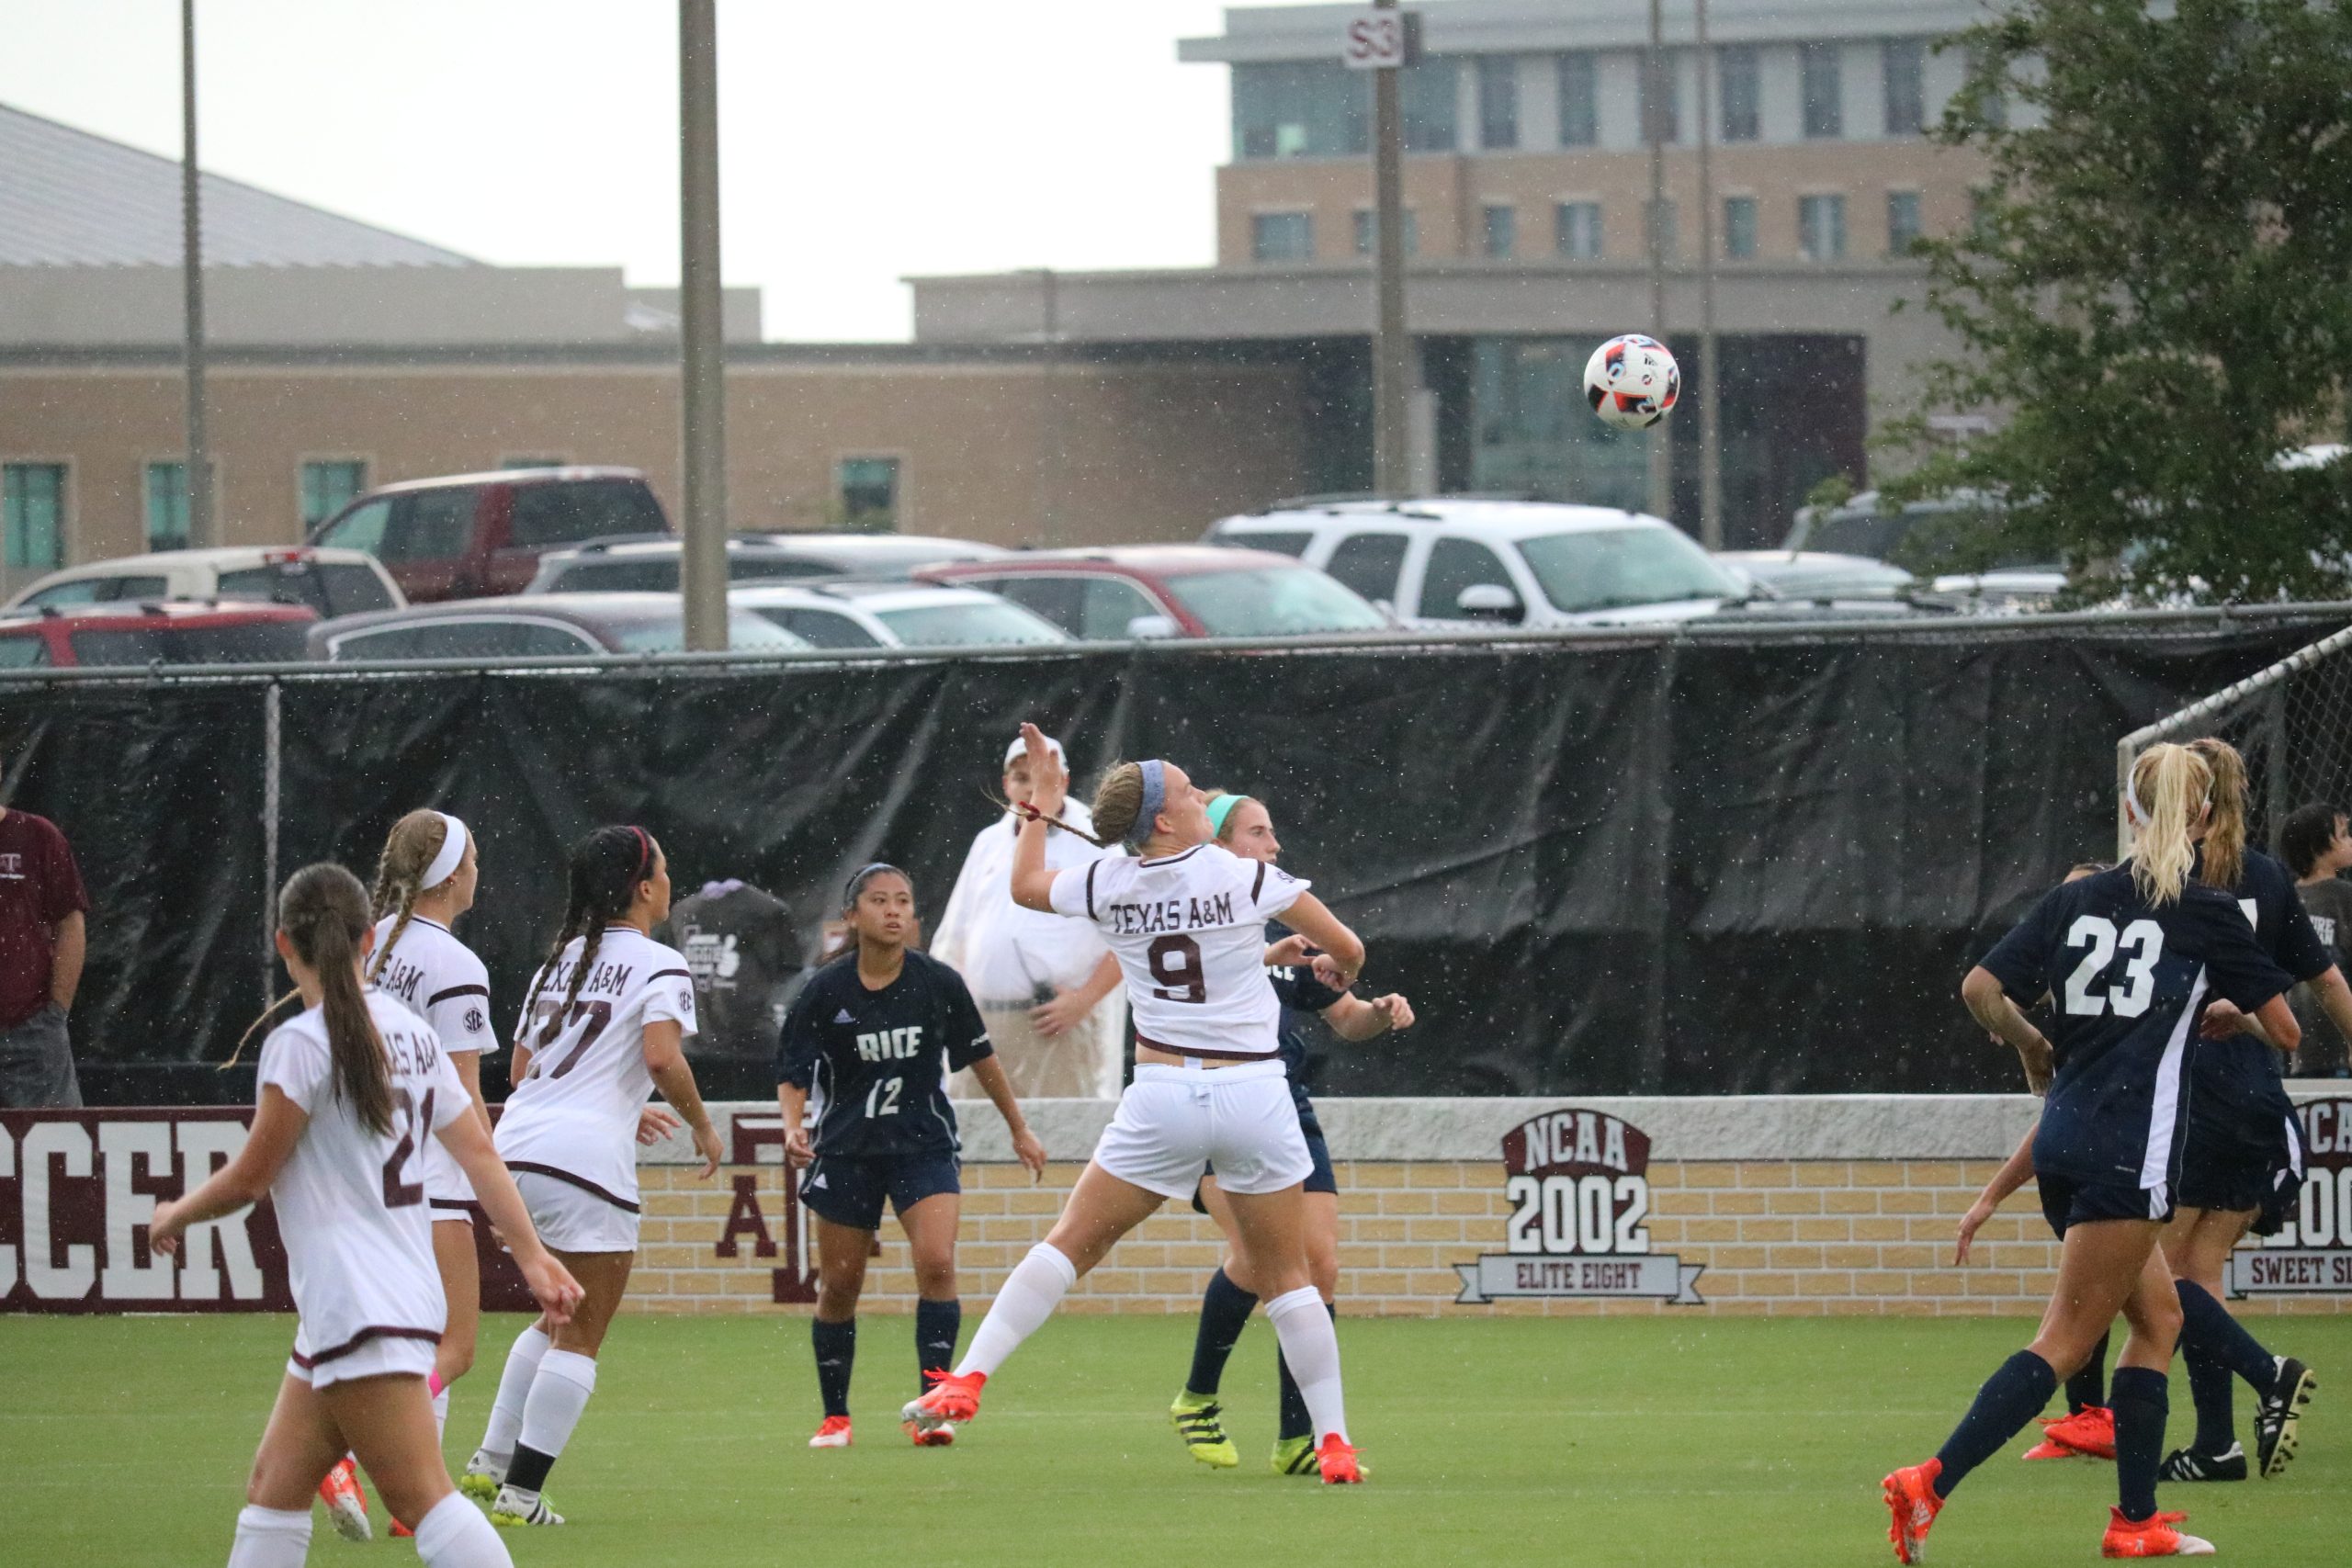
(474, 535)
(171, 631)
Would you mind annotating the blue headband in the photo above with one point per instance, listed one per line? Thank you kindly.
(1155, 795)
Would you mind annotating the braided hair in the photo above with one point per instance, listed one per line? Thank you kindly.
(409, 851)
(605, 871)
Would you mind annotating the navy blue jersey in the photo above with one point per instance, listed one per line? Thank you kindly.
(875, 1063)
(1299, 991)
(2237, 1093)
(2126, 981)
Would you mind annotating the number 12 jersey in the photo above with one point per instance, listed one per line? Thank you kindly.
(875, 1063)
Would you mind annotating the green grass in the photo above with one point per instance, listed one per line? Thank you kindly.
(1676, 1442)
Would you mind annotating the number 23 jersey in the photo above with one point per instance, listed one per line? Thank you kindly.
(2127, 981)
(350, 1202)
(1188, 932)
(575, 1114)
(875, 1063)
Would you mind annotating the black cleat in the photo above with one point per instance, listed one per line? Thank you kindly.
(2187, 1464)
(2277, 1413)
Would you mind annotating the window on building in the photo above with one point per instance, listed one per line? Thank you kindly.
(1577, 229)
(1821, 226)
(868, 488)
(1499, 230)
(1367, 231)
(1993, 108)
(1902, 222)
(328, 487)
(1426, 96)
(1740, 91)
(1668, 122)
(1497, 100)
(1580, 100)
(1660, 215)
(1282, 236)
(167, 506)
(1823, 85)
(1906, 91)
(1739, 226)
(1300, 110)
(32, 515)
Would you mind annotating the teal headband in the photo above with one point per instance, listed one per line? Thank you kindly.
(1219, 809)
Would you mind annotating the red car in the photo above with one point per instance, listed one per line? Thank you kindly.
(477, 536)
(1126, 591)
(176, 631)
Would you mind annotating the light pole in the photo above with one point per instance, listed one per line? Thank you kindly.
(703, 363)
(1710, 408)
(1655, 105)
(199, 467)
(1392, 348)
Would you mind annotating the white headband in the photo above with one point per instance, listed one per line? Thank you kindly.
(453, 851)
(1014, 752)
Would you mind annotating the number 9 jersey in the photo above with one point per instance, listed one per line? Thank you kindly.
(2127, 981)
(1190, 934)
(573, 1117)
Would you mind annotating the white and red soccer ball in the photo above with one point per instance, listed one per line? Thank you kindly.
(1632, 382)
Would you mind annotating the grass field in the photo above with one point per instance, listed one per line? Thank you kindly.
(1675, 1442)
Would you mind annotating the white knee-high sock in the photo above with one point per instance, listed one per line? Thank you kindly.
(1031, 1292)
(440, 1416)
(558, 1394)
(1311, 1344)
(456, 1534)
(271, 1537)
(513, 1388)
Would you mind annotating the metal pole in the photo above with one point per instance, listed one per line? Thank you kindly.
(704, 366)
(199, 454)
(1049, 422)
(1711, 409)
(1392, 350)
(1654, 104)
(272, 735)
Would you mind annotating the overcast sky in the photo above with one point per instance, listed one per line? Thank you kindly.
(861, 141)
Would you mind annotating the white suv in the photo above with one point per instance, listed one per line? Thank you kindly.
(332, 581)
(1519, 563)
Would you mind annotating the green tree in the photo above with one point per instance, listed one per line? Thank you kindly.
(2155, 300)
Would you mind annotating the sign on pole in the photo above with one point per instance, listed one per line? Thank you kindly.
(1381, 40)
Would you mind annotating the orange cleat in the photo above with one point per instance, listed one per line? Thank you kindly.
(1910, 1495)
(2152, 1537)
(346, 1504)
(2089, 1432)
(2048, 1449)
(833, 1434)
(400, 1532)
(953, 1396)
(1337, 1459)
(939, 1437)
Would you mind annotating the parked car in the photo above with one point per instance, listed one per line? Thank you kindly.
(603, 565)
(592, 626)
(1927, 536)
(896, 614)
(333, 583)
(1169, 590)
(172, 631)
(472, 535)
(1519, 563)
(1819, 576)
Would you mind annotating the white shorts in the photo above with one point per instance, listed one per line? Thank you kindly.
(570, 1218)
(371, 1358)
(1173, 1121)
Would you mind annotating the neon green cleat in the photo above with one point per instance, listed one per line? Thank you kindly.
(1295, 1456)
(516, 1508)
(1199, 1420)
(481, 1479)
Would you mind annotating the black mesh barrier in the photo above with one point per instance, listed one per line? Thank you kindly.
(1684, 867)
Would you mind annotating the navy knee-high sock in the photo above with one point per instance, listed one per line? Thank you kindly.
(936, 1326)
(2138, 1397)
(1295, 1421)
(1224, 1311)
(2010, 1397)
(2087, 1388)
(2207, 1326)
(2214, 1392)
(836, 1348)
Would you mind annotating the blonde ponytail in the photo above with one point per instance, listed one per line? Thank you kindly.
(2225, 837)
(2170, 786)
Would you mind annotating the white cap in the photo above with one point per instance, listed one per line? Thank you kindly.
(1013, 753)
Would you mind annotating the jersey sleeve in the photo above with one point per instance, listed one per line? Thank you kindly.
(299, 1065)
(796, 1043)
(2235, 966)
(460, 1011)
(2021, 961)
(967, 1037)
(670, 994)
(1073, 890)
(1273, 889)
(1299, 989)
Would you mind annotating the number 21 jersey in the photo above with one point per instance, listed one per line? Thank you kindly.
(575, 1114)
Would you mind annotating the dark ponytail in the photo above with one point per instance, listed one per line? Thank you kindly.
(601, 879)
(323, 912)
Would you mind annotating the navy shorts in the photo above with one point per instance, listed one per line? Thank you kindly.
(1321, 1179)
(850, 1192)
(2065, 1201)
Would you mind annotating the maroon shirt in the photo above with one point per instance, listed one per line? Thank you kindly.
(40, 886)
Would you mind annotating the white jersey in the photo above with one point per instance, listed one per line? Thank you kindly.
(351, 1208)
(573, 1117)
(441, 981)
(1190, 934)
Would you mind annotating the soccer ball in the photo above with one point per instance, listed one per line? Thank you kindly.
(1632, 382)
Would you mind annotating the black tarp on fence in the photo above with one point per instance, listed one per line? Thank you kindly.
(1685, 865)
